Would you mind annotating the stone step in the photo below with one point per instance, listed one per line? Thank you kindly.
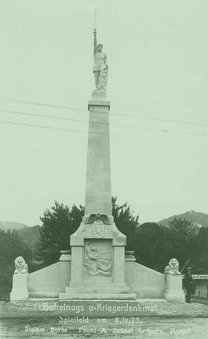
(97, 296)
(89, 289)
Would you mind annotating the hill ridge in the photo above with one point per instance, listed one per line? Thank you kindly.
(198, 218)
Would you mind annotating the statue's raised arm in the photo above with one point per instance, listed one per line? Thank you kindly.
(100, 67)
(95, 41)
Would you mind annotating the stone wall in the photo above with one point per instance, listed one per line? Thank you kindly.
(49, 281)
(45, 282)
(146, 282)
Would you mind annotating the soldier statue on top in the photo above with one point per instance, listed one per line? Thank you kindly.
(100, 67)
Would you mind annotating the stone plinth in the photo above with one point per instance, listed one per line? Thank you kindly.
(99, 95)
(97, 268)
(20, 287)
(174, 291)
(65, 269)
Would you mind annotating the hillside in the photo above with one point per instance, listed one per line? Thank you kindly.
(197, 218)
(30, 235)
(8, 225)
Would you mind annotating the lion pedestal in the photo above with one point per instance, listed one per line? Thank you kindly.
(20, 281)
(20, 287)
(174, 291)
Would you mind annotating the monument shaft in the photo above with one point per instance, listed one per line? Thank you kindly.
(98, 180)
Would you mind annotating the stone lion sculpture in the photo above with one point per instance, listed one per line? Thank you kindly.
(20, 266)
(172, 267)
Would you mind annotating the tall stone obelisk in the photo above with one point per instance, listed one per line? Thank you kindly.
(98, 179)
(98, 247)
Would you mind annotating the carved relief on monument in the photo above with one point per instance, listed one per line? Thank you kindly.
(98, 229)
(98, 217)
(98, 258)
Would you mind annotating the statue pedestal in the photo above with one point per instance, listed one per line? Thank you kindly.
(97, 270)
(174, 291)
(20, 287)
(98, 95)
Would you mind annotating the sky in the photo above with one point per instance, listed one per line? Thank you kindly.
(158, 79)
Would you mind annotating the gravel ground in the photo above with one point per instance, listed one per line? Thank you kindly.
(141, 328)
(168, 321)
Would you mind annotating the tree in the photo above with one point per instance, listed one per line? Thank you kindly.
(126, 222)
(184, 231)
(154, 246)
(183, 228)
(61, 221)
(58, 224)
(11, 246)
(199, 251)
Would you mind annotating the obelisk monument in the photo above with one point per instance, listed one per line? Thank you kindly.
(98, 247)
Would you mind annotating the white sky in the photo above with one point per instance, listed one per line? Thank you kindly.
(158, 80)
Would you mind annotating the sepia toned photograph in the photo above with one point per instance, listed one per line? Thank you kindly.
(104, 169)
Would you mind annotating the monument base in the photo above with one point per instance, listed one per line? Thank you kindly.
(174, 291)
(97, 262)
(97, 296)
(20, 287)
(97, 292)
(175, 296)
